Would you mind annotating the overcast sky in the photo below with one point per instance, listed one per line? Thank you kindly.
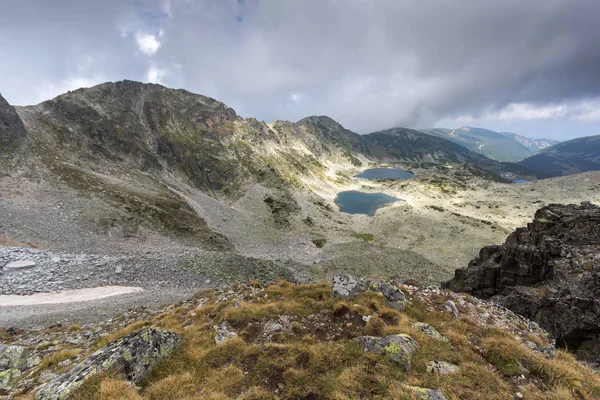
(527, 66)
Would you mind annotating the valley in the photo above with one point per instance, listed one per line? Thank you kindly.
(118, 200)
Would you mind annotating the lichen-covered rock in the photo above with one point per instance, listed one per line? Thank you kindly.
(348, 286)
(429, 330)
(13, 357)
(399, 348)
(132, 356)
(441, 367)
(424, 393)
(8, 378)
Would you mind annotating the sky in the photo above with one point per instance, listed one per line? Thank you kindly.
(525, 66)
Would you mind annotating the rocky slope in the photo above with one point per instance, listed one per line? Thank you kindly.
(360, 338)
(548, 272)
(566, 158)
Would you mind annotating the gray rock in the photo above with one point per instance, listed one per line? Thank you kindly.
(441, 367)
(22, 264)
(424, 393)
(451, 308)
(348, 286)
(132, 356)
(13, 357)
(223, 332)
(429, 330)
(549, 272)
(399, 348)
(8, 378)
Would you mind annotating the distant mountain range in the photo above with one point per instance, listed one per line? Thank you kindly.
(500, 146)
(566, 158)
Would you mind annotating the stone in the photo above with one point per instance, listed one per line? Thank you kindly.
(450, 306)
(548, 272)
(132, 357)
(441, 367)
(118, 269)
(8, 378)
(13, 357)
(399, 348)
(223, 332)
(424, 393)
(21, 264)
(430, 331)
(348, 286)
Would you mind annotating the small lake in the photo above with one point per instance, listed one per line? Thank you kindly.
(385, 173)
(519, 181)
(355, 202)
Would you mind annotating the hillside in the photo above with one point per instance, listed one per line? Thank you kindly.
(534, 145)
(489, 143)
(566, 158)
(360, 338)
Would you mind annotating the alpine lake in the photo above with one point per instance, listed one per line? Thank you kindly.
(356, 202)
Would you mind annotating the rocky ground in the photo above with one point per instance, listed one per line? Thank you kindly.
(446, 217)
(355, 338)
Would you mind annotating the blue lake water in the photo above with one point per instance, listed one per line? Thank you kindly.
(519, 181)
(354, 202)
(385, 173)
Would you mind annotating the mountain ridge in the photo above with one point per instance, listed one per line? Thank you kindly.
(566, 158)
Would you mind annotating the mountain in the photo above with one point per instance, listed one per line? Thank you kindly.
(492, 144)
(534, 145)
(566, 158)
(140, 152)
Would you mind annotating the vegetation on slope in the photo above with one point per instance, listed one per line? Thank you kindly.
(295, 342)
(566, 158)
(491, 144)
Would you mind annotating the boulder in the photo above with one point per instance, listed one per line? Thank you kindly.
(348, 286)
(548, 272)
(429, 330)
(399, 348)
(424, 393)
(441, 367)
(132, 356)
(13, 357)
(8, 378)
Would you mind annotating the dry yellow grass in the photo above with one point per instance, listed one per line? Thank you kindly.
(303, 363)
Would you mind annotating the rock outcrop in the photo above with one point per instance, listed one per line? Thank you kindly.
(548, 272)
(12, 130)
(347, 286)
(132, 356)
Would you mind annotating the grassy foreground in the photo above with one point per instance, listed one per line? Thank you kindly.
(295, 342)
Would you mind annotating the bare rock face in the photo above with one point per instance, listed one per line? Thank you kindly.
(12, 130)
(548, 272)
(133, 356)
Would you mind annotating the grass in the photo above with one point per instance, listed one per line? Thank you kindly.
(367, 237)
(314, 357)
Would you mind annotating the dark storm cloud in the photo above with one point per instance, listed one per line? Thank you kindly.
(368, 63)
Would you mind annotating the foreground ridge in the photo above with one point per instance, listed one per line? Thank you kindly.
(361, 338)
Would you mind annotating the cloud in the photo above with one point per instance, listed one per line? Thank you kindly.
(585, 110)
(368, 64)
(148, 44)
